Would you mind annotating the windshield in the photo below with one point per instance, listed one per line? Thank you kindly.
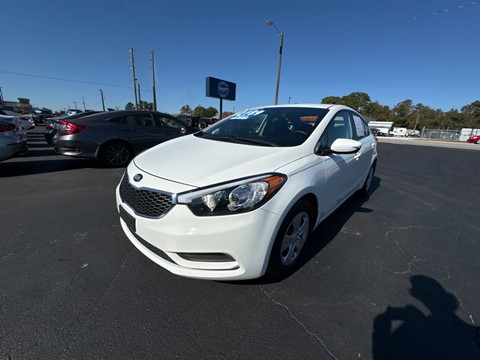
(276, 126)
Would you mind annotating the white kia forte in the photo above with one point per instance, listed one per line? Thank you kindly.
(241, 197)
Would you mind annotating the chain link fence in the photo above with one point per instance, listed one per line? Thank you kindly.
(448, 135)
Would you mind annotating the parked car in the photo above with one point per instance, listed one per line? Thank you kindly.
(41, 115)
(12, 141)
(200, 122)
(474, 139)
(53, 124)
(73, 111)
(268, 177)
(26, 122)
(115, 137)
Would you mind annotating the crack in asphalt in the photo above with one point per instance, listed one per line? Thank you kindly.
(409, 270)
(27, 246)
(294, 318)
(460, 301)
(411, 264)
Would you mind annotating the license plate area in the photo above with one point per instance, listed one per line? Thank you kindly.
(129, 219)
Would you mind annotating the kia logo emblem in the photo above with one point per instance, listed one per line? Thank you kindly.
(138, 177)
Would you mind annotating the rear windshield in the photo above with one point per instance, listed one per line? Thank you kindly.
(279, 126)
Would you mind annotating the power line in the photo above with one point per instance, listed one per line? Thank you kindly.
(396, 22)
(62, 79)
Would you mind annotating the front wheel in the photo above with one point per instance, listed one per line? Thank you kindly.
(290, 240)
(116, 154)
(368, 182)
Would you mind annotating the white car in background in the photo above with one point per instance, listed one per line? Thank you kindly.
(266, 178)
(25, 121)
(12, 140)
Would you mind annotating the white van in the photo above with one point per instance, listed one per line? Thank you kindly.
(399, 132)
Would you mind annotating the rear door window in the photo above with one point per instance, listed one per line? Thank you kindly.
(138, 120)
(361, 128)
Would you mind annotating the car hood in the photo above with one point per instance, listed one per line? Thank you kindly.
(201, 162)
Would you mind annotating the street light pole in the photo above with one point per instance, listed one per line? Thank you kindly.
(416, 122)
(103, 99)
(282, 35)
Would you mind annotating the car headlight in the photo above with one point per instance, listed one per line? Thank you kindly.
(233, 197)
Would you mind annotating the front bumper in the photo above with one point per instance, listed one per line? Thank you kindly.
(231, 247)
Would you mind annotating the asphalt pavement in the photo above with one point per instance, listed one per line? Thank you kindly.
(391, 276)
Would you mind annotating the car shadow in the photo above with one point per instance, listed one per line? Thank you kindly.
(41, 158)
(323, 234)
(20, 166)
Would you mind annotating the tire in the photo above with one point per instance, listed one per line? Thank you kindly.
(291, 239)
(202, 125)
(477, 142)
(116, 154)
(365, 190)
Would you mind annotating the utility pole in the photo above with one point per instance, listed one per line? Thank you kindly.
(139, 98)
(153, 78)
(75, 105)
(280, 51)
(282, 35)
(416, 121)
(132, 61)
(1, 96)
(103, 99)
(84, 108)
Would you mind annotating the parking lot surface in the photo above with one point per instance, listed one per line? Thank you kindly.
(391, 276)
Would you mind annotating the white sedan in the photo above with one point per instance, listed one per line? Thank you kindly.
(240, 198)
(12, 140)
(25, 121)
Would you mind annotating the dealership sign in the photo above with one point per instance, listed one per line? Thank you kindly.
(220, 89)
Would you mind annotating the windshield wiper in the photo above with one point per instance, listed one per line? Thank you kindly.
(254, 141)
(242, 140)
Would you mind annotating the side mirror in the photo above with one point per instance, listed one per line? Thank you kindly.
(345, 146)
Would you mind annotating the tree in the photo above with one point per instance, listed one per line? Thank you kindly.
(211, 112)
(144, 105)
(472, 114)
(357, 100)
(201, 111)
(332, 100)
(377, 111)
(186, 110)
(130, 106)
(402, 111)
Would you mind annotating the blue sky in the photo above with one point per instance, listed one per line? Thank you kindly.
(60, 52)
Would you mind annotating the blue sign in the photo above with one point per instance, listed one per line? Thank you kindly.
(220, 89)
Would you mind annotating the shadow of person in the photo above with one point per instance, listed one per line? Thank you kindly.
(407, 333)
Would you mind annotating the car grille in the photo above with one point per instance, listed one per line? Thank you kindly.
(145, 202)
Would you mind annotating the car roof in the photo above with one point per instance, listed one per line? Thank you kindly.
(306, 105)
(111, 114)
